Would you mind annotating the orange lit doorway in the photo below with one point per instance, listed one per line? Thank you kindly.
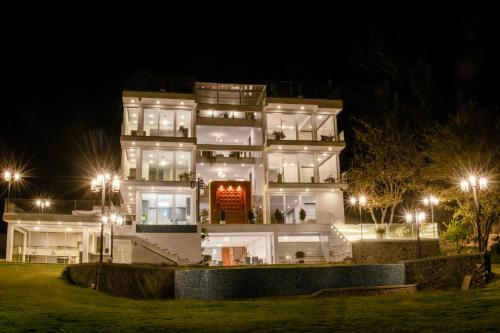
(233, 255)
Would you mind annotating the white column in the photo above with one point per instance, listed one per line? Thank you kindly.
(85, 245)
(25, 246)
(275, 247)
(10, 242)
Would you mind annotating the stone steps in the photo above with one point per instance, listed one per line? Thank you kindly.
(403, 289)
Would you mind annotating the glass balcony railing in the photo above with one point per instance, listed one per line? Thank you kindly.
(61, 207)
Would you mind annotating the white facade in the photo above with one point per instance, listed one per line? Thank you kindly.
(224, 133)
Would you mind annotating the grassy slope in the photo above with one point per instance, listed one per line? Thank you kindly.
(33, 298)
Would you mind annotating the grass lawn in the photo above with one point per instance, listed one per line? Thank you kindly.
(34, 299)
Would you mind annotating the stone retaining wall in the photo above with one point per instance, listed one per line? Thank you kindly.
(447, 272)
(265, 282)
(136, 281)
(391, 251)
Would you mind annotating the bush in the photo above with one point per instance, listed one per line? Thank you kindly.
(66, 276)
(495, 249)
(302, 214)
(278, 216)
(455, 233)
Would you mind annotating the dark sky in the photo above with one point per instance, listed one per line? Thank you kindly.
(61, 80)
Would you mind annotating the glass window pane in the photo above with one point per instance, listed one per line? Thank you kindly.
(281, 122)
(151, 122)
(306, 168)
(166, 125)
(184, 121)
(182, 165)
(304, 125)
(290, 168)
(182, 208)
(130, 163)
(309, 205)
(292, 209)
(327, 164)
(131, 121)
(276, 204)
(148, 208)
(165, 209)
(325, 127)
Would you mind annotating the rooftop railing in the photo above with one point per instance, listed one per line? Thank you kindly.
(62, 207)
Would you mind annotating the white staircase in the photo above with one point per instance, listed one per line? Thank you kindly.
(340, 248)
(164, 254)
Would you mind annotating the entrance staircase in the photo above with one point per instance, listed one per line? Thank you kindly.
(340, 248)
(169, 258)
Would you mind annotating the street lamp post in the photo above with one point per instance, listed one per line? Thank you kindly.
(199, 184)
(431, 201)
(418, 217)
(102, 183)
(361, 201)
(41, 204)
(118, 220)
(10, 176)
(465, 185)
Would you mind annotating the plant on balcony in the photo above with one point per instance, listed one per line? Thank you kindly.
(279, 177)
(184, 131)
(250, 115)
(327, 137)
(235, 154)
(279, 135)
(204, 215)
(302, 215)
(222, 217)
(330, 180)
(300, 255)
(224, 114)
(251, 216)
(278, 216)
(185, 177)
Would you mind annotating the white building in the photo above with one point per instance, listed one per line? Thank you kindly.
(276, 157)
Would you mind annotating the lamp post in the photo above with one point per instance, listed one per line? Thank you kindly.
(118, 220)
(101, 183)
(41, 204)
(418, 217)
(361, 201)
(431, 201)
(10, 176)
(199, 184)
(466, 185)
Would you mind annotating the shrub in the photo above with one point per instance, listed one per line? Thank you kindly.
(456, 233)
(302, 214)
(495, 248)
(66, 276)
(300, 255)
(278, 216)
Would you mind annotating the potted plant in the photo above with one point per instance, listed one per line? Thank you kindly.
(278, 216)
(184, 131)
(250, 115)
(222, 217)
(204, 234)
(251, 216)
(327, 137)
(302, 215)
(300, 255)
(185, 176)
(279, 177)
(330, 180)
(204, 215)
(380, 232)
(279, 135)
(225, 114)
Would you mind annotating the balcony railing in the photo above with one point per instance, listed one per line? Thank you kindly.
(60, 207)
(232, 94)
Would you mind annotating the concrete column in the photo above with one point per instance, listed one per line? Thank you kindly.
(25, 245)
(274, 240)
(85, 245)
(10, 242)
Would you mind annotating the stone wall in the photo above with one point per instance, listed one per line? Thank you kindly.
(447, 272)
(136, 281)
(273, 281)
(391, 251)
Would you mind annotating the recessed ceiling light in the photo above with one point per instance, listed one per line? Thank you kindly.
(134, 115)
(202, 164)
(152, 187)
(279, 106)
(157, 144)
(130, 187)
(132, 101)
(133, 143)
(180, 145)
(305, 148)
(157, 102)
(330, 148)
(151, 115)
(302, 108)
(134, 121)
(182, 102)
(307, 190)
(279, 147)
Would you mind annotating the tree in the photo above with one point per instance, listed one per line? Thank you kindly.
(387, 164)
(468, 143)
(456, 233)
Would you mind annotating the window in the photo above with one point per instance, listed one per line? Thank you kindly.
(130, 157)
(325, 127)
(165, 208)
(164, 165)
(160, 122)
(290, 205)
(131, 121)
(327, 164)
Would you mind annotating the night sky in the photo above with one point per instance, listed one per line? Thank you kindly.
(62, 83)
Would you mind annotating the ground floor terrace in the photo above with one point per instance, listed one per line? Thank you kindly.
(33, 297)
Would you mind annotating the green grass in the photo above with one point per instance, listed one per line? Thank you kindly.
(33, 298)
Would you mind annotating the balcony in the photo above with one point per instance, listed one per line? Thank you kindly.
(229, 118)
(230, 94)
